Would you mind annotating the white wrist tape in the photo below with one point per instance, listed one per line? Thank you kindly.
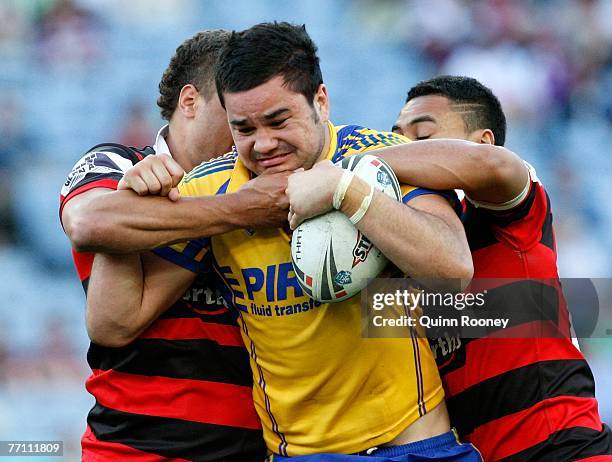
(343, 184)
(363, 208)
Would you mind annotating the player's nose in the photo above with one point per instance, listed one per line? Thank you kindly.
(265, 142)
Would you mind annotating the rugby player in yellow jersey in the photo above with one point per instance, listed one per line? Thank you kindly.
(321, 390)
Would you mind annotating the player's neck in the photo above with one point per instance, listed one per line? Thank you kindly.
(178, 149)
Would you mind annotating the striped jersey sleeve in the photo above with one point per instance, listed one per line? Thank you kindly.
(100, 167)
(207, 179)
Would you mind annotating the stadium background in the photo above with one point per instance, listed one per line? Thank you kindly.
(75, 73)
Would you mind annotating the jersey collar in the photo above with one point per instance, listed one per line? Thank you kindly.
(160, 146)
(333, 141)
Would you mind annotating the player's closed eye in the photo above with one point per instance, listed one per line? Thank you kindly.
(245, 130)
(277, 123)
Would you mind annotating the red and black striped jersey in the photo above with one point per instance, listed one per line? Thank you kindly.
(530, 397)
(182, 390)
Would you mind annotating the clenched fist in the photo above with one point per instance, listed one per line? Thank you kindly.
(154, 175)
(265, 201)
(311, 192)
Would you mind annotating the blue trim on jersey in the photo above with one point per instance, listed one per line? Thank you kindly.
(223, 188)
(215, 162)
(419, 371)
(194, 247)
(341, 135)
(178, 258)
(206, 172)
(449, 195)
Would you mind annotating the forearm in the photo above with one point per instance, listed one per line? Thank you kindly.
(425, 239)
(422, 245)
(112, 320)
(127, 293)
(483, 171)
(122, 221)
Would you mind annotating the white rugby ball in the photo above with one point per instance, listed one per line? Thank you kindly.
(332, 259)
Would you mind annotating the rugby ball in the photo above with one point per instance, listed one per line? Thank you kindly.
(331, 258)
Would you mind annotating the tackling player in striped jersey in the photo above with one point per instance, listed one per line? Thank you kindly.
(531, 397)
(171, 384)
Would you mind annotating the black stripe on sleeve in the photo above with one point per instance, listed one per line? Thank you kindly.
(176, 438)
(574, 444)
(517, 390)
(522, 301)
(179, 359)
(218, 314)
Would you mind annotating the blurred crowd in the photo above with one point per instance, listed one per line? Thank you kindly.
(74, 73)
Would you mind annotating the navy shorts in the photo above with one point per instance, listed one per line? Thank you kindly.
(442, 448)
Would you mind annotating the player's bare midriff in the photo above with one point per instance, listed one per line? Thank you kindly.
(432, 424)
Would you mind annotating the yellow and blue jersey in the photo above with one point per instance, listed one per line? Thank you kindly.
(319, 386)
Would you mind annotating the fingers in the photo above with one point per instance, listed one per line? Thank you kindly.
(153, 185)
(174, 169)
(323, 164)
(292, 181)
(154, 175)
(123, 184)
(163, 177)
(294, 220)
(135, 183)
(174, 194)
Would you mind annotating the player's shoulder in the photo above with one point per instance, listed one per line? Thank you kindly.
(352, 139)
(218, 167)
(210, 176)
(115, 150)
(111, 156)
(106, 161)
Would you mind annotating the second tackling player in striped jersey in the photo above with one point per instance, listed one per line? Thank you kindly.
(531, 397)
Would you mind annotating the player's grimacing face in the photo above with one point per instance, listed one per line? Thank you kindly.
(430, 117)
(276, 129)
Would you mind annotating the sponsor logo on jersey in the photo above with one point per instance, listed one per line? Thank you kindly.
(95, 163)
(444, 346)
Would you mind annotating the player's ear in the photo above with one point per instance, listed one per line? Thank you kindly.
(486, 137)
(321, 102)
(187, 100)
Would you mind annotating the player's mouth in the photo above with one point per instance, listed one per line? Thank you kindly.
(274, 160)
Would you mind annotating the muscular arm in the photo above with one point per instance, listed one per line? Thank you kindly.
(424, 239)
(128, 292)
(485, 172)
(105, 220)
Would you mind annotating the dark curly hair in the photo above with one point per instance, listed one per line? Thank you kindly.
(264, 51)
(480, 108)
(193, 63)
